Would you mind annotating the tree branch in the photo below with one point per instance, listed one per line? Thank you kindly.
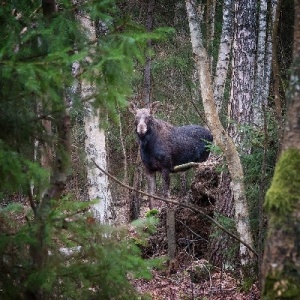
(189, 206)
(185, 167)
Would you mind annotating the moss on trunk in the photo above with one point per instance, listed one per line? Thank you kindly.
(284, 192)
(281, 267)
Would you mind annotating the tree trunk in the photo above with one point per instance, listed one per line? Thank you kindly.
(210, 23)
(135, 198)
(38, 250)
(147, 69)
(281, 265)
(243, 70)
(276, 74)
(259, 100)
(219, 244)
(95, 145)
(220, 136)
(264, 59)
(98, 185)
(224, 54)
(171, 232)
(126, 192)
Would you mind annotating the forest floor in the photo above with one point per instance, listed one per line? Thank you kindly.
(189, 276)
(179, 286)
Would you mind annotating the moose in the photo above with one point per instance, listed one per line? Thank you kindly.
(164, 146)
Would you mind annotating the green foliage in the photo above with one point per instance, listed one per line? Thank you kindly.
(213, 148)
(151, 213)
(85, 260)
(144, 227)
(17, 172)
(36, 58)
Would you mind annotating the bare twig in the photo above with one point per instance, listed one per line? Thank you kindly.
(189, 206)
(193, 232)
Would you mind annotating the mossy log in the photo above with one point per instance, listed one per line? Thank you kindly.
(281, 264)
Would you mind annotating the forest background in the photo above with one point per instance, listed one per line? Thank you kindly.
(68, 70)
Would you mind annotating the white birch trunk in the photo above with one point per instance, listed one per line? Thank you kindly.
(210, 23)
(95, 146)
(259, 100)
(220, 135)
(269, 52)
(243, 71)
(264, 59)
(98, 185)
(224, 54)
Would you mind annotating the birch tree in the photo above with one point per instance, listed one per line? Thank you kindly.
(243, 71)
(281, 263)
(95, 144)
(224, 54)
(220, 136)
(263, 60)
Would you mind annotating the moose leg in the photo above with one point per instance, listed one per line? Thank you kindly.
(166, 182)
(151, 187)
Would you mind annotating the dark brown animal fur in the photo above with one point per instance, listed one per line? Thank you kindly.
(164, 146)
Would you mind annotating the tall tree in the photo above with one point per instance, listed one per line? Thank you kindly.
(220, 136)
(224, 54)
(263, 60)
(146, 94)
(281, 264)
(95, 141)
(243, 70)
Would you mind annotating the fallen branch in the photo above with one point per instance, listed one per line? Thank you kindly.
(189, 206)
(185, 167)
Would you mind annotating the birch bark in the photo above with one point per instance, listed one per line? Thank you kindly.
(259, 100)
(95, 145)
(243, 70)
(224, 54)
(221, 137)
(264, 60)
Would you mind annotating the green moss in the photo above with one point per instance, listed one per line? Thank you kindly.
(284, 192)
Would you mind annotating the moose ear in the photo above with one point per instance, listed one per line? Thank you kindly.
(132, 107)
(154, 106)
